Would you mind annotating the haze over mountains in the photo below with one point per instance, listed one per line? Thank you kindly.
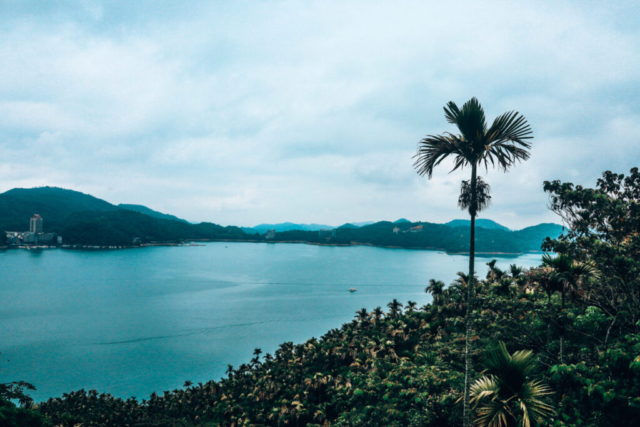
(289, 226)
(83, 219)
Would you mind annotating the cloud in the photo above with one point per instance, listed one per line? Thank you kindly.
(242, 113)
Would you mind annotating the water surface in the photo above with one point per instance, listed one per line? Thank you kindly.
(130, 322)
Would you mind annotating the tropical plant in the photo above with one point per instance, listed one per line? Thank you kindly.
(502, 144)
(506, 396)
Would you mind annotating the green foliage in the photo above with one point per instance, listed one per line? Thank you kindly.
(23, 415)
(13, 416)
(603, 231)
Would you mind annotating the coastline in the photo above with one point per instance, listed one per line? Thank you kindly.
(194, 243)
(426, 248)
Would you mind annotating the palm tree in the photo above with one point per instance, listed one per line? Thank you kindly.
(504, 143)
(377, 314)
(435, 288)
(506, 389)
(361, 315)
(394, 307)
(516, 271)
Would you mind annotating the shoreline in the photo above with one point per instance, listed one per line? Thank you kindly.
(194, 243)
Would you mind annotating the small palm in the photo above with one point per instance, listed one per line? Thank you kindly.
(505, 396)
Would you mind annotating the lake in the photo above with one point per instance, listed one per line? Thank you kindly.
(131, 322)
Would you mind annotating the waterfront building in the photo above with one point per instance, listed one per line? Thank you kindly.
(46, 238)
(271, 234)
(35, 225)
(28, 238)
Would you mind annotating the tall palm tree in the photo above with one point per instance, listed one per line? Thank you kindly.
(502, 144)
(505, 390)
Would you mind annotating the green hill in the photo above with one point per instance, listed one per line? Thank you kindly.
(83, 219)
(122, 226)
(154, 214)
(53, 204)
(484, 223)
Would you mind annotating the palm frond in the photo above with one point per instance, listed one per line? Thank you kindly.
(493, 411)
(533, 408)
(510, 127)
(470, 120)
(434, 149)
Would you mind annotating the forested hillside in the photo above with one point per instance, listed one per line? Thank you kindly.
(433, 236)
(83, 219)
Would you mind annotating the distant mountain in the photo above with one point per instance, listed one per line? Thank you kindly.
(401, 221)
(286, 226)
(348, 225)
(362, 224)
(484, 223)
(154, 214)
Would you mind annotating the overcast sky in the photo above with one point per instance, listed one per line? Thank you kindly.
(250, 112)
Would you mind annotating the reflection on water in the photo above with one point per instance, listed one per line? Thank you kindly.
(131, 322)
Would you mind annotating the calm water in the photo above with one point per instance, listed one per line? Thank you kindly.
(131, 322)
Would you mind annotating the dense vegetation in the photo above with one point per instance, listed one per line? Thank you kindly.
(571, 354)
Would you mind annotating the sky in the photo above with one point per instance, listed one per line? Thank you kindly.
(242, 113)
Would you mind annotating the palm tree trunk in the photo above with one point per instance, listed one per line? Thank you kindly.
(562, 329)
(468, 317)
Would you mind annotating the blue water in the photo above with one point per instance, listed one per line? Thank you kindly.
(130, 322)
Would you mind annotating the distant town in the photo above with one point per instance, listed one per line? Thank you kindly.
(35, 237)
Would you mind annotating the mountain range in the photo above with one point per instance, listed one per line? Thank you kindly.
(290, 226)
(84, 219)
